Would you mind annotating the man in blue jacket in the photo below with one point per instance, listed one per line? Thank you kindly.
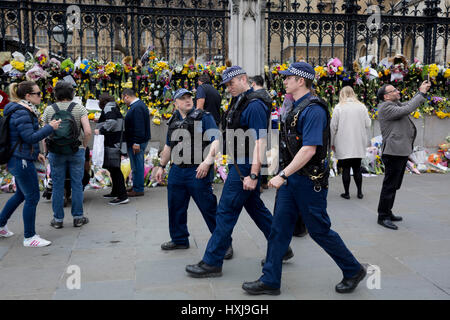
(137, 135)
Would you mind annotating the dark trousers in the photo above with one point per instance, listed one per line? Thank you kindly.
(393, 176)
(299, 196)
(234, 198)
(300, 226)
(355, 164)
(181, 186)
(118, 183)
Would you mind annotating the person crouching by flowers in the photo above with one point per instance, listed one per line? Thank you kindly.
(110, 124)
(25, 135)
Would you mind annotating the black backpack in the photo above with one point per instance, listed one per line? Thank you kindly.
(64, 140)
(5, 149)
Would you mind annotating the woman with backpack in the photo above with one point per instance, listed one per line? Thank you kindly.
(66, 149)
(24, 136)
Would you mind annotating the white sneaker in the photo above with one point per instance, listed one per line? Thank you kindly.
(5, 233)
(36, 241)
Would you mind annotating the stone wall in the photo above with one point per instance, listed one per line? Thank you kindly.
(431, 131)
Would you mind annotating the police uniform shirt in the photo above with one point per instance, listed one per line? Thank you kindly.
(208, 123)
(311, 123)
(255, 117)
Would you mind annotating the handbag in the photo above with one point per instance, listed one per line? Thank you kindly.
(98, 150)
(113, 155)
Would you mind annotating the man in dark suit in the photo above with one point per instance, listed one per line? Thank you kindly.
(399, 133)
(137, 135)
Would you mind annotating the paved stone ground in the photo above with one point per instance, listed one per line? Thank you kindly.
(119, 253)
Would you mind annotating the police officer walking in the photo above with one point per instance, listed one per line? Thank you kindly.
(187, 176)
(303, 186)
(247, 112)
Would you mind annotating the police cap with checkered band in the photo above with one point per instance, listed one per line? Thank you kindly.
(300, 69)
(231, 72)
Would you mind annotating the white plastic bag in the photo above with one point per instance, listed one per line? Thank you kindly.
(98, 150)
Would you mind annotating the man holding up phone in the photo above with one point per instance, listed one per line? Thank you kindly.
(398, 132)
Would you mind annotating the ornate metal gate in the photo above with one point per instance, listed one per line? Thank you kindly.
(177, 28)
(317, 35)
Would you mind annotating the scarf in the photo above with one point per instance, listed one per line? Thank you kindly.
(32, 107)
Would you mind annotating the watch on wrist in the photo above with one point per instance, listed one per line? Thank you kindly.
(161, 166)
(282, 174)
(253, 176)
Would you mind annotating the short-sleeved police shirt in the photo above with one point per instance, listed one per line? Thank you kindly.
(311, 123)
(255, 117)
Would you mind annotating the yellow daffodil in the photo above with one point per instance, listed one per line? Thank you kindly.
(157, 121)
(18, 65)
(110, 67)
(127, 85)
(91, 116)
(447, 73)
(433, 70)
(416, 115)
(54, 81)
(441, 115)
(387, 71)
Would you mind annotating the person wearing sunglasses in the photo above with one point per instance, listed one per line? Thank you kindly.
(399, 133)
(25, 135)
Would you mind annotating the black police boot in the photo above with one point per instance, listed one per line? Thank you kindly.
(170, 245)
(348, 285)
(203, 270)
(258, 287)
(288, 255)
(395, 218)
(229, 253)
(387, 223)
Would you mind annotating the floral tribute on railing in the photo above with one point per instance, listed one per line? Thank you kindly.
(367, 77)
(156, 80)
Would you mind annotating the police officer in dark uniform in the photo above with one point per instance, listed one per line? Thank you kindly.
(188, 176)
(248, 113)
(303, 185)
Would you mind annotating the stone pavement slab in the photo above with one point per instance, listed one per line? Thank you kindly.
(119, 256)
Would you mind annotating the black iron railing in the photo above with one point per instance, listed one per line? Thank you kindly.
(300, 31)
(117, 28)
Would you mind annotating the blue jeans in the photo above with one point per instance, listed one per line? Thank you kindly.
(27, 188)
(299, 196)
(137, 167)
(58, 165)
